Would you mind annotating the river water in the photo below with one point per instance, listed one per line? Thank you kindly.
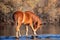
(38, 37)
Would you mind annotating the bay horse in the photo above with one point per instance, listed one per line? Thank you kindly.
(26, 17)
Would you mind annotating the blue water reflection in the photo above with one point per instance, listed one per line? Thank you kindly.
(38, 37)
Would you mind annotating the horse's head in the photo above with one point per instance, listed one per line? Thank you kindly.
(37, 24)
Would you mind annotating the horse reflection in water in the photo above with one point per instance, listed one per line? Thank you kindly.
(27, 18)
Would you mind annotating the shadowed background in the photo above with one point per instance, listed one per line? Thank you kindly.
(47, 10)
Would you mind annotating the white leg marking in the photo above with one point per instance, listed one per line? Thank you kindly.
(35, 33)
(17, 34)
(26, 30)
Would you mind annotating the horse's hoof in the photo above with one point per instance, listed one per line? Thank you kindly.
(32, 37)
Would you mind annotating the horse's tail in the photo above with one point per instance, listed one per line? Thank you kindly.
(13, 17)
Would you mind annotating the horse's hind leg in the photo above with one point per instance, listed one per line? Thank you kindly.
(18, 31)
(18, 28)
(26, 30)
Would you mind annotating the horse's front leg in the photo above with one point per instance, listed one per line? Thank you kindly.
(33, 28)
(35, 32)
